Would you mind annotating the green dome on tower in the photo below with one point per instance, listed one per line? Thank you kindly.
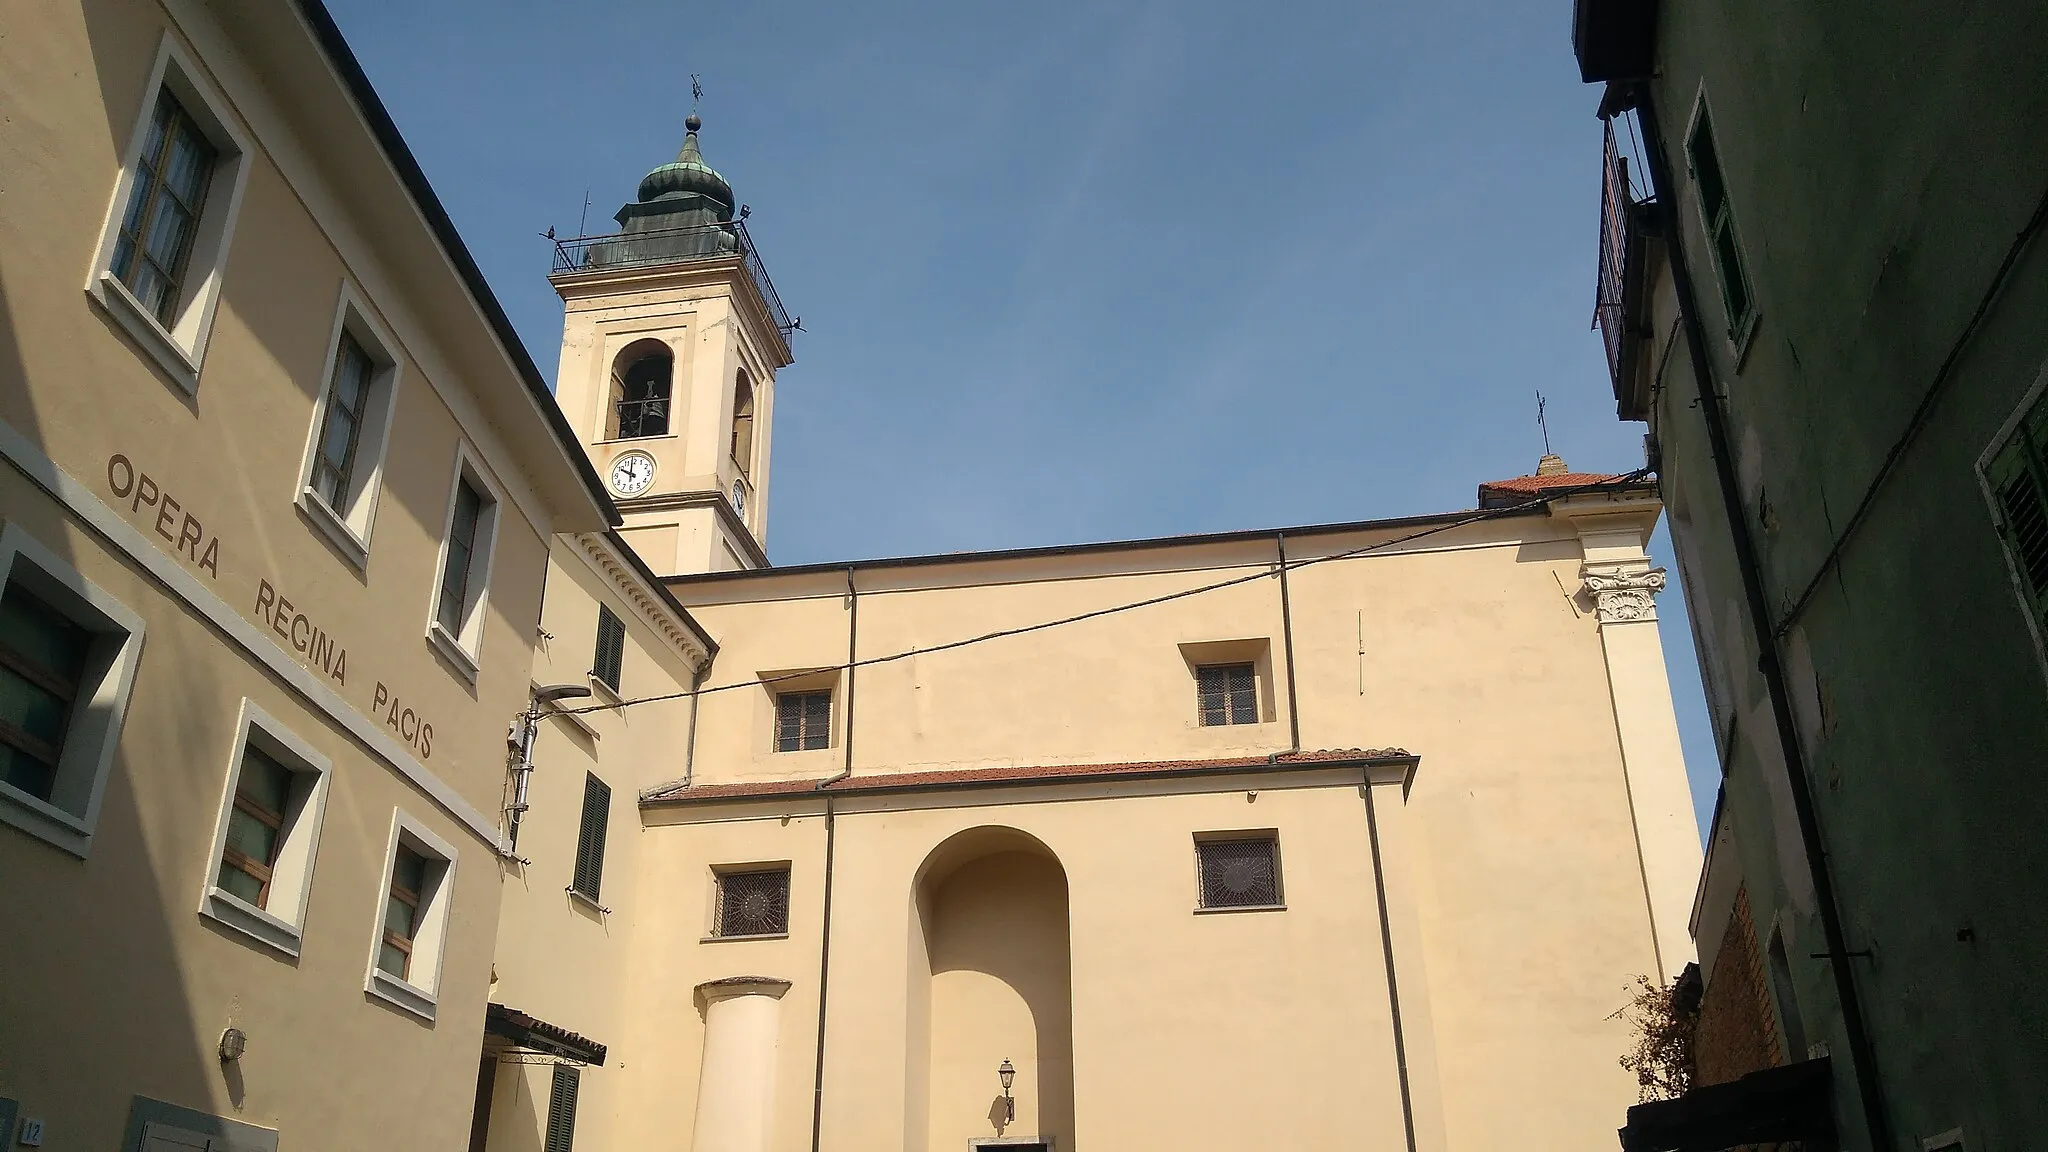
(688, 176)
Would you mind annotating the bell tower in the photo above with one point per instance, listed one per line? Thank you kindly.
(671, 339)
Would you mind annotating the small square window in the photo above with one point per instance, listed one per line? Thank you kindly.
(803, 721)
(68, 654)
(459, 594)
(611, 648)
(754, 902)
(1239, 871)
(1227, 694)
(266, 839)
(412, 924)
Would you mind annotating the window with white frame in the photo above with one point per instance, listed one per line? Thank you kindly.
(268, 832)
(68, 653)
(158, 270)
(351, 426)
(471, 528)
(412, 922)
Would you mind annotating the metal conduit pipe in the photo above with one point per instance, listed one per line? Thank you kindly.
(1757, 604)
(831, 844)
(1287, 642)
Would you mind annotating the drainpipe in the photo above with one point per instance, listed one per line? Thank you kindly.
(831, 843)
(697, 678)
(1379, 887)
(1287, 637)
(1861, 1054)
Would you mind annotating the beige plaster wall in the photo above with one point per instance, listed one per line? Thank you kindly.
(127, 989)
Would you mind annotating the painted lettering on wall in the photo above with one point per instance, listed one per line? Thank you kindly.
(140, 489)
(404, 721)
(297, 629)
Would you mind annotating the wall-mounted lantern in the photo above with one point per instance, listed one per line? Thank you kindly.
(233, 1043)
(1007, 1073)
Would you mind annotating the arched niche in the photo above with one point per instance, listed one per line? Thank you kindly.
(989, 980)
(642, 395)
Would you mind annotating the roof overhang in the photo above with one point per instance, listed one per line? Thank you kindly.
(1614, 39)
(530, 1034)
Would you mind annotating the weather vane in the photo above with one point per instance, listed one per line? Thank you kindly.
(696, 90)
(1542, 424)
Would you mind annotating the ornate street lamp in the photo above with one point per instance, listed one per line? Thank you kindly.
(1007, 1073)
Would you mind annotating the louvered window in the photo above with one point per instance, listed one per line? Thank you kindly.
(2018, 476)
(803, 720)
(562, 1109)
(611, 647)
(597, 812)
(1239, 872)
(1227, 694)
(752, 903)
(1717, 218)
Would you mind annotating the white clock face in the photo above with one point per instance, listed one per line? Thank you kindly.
(739, 498)
(632, 473)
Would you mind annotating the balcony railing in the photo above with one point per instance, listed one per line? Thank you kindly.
(1618, 304)
(655, 247)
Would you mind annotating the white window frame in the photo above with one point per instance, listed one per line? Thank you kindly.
(281, 925)
(464, 648)
(68, 818)
(178, 348)
(349, 525)
(430, 937)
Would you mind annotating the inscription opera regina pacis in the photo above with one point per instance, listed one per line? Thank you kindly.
(317, 648)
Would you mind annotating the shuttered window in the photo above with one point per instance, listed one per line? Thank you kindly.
(2018, 477)
(1227, 694)
(562, 1109)
(1239, 872)
(611, 647)
(752, 903)
(597, 811)
(803, 720)
(1717, 218)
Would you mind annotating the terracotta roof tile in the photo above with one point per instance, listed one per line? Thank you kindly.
(911, 781)
(1522, 489)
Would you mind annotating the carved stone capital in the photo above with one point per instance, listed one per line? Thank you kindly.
(1624, 597)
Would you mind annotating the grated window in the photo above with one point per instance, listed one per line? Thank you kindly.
(1227, 694)
(753, 903)
(803, 721)
(1242, 872)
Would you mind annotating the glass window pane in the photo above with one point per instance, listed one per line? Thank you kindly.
(169, 229)
(190, 160)
(251, 837)
(1732, 284)
(391, 960)
(32, 708)
(138, 199)
(398, 917)
(337, 438)
(410, 873)
(159, 127)
(240, 883)
(149, 287)
(1706, 168)
(41, 635)
(27, 773)
(265, 781)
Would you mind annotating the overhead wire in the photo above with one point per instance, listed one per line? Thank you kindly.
(1273, 572)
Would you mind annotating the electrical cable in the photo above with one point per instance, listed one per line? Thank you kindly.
(1476, 518)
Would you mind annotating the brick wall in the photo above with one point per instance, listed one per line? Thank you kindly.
(1738, 1031)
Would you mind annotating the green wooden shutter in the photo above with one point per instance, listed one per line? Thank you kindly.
(597, 811)
(562, 1109)
(2018, 477)
(611, 647)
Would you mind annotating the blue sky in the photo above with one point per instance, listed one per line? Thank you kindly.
(1081, 272)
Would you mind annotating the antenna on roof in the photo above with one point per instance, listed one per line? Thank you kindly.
(1542, 424)
(585, 218)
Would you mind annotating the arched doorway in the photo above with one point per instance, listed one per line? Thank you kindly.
(990, 982)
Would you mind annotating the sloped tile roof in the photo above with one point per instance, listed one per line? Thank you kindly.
(1522, 489)
(1045, 773)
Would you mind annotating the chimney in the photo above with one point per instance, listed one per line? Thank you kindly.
(1551, 465)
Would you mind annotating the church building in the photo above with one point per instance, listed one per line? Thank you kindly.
(1311, 837)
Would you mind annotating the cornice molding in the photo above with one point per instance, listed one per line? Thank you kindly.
(597, 552)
